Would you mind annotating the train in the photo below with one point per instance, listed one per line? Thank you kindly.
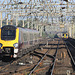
(16, 41)
(65, 35)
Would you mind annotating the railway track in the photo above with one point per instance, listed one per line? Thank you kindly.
(11, 67)
(46, 61)
(5, 64)
(63, 63)
(49, 59)
(71, 46)
(47, 68)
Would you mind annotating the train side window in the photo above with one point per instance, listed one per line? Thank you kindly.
(35, 36)
(39, 34)
(31, 37)
(25, 36)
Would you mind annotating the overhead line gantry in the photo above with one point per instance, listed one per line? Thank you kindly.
(56, 14)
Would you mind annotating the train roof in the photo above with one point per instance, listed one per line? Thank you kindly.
(25, 29)
(8, 26)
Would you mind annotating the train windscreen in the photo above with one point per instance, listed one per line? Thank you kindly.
(8, 33)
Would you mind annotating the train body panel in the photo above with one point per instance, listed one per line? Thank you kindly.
(27, 38)
(15, 39)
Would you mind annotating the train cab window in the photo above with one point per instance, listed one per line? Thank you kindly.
(66, 34)
(8, 34)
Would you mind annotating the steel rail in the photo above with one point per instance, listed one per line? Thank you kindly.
(54, 59)
(14, 61)
(39, 62)
(70, 53)
(72, 39)
(71, 44)
(43, 54)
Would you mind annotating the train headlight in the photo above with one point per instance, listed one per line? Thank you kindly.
(15, 45)
(0, 45)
